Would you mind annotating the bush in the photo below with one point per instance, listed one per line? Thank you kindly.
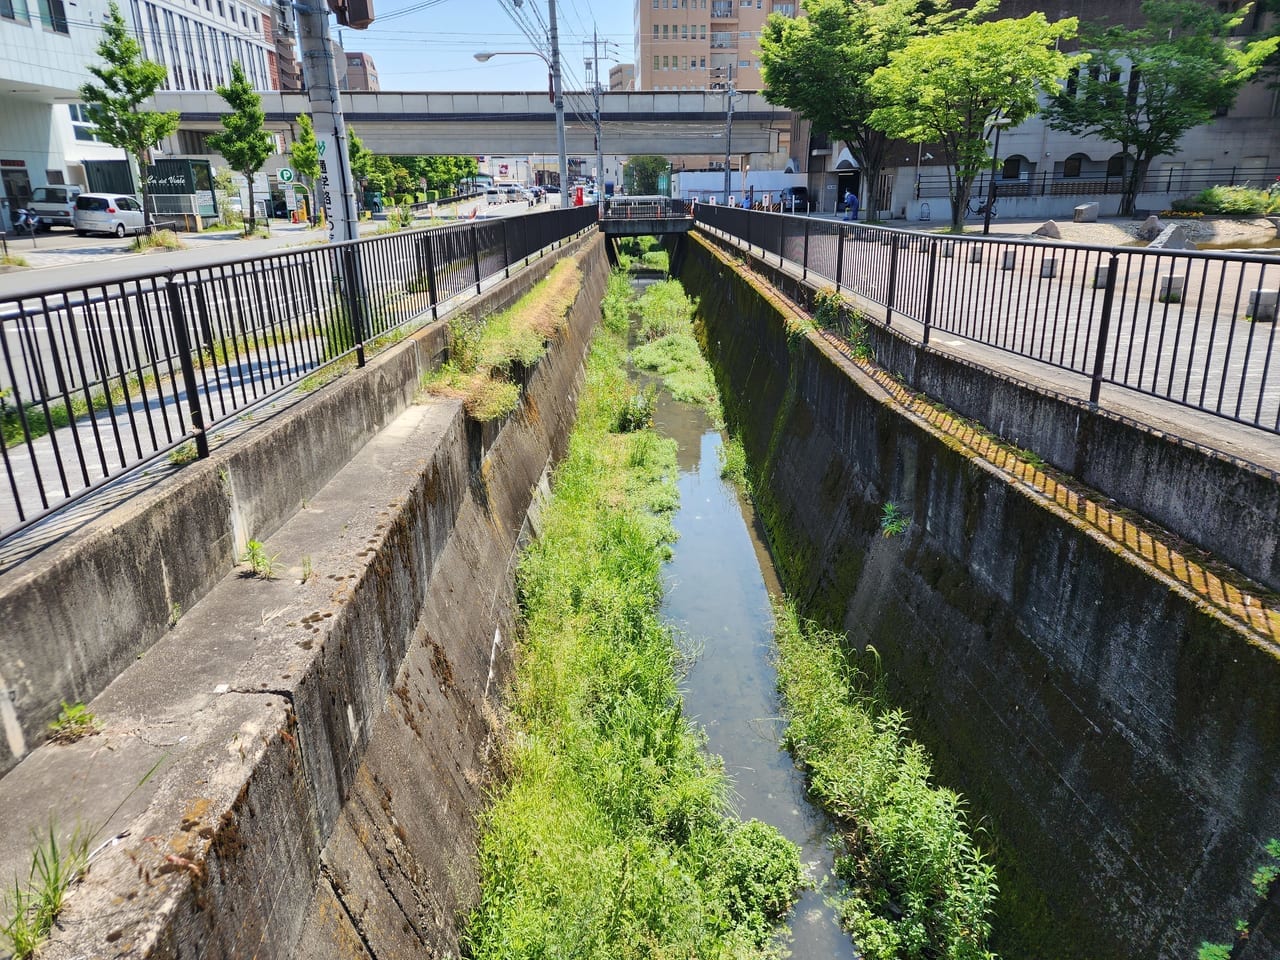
(1234, 201)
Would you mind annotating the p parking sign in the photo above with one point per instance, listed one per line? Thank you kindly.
(285, 174)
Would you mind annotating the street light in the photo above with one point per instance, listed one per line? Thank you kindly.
(557, 96)
(999, 123)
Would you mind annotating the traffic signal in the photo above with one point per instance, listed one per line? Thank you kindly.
(356, 14)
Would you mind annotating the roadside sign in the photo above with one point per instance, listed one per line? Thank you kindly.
(290, 197)
(285, 174)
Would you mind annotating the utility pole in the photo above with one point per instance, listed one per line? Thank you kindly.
(728, 132)
(595, 89)
(320, 74)
(557, 93)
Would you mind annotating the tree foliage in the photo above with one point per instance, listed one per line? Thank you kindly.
(243, 143)
(949, 88)
(126, 81)
(643, 173)
(1144, 88)
(304, 154)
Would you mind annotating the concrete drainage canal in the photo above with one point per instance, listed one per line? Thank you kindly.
(651, 798)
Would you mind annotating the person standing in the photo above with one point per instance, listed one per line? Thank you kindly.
(850, 205)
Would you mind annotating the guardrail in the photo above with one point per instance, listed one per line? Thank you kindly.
(1196, 328)
(644, 208)
(98, 380)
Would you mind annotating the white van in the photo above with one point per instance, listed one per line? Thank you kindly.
(493, 195)
(55, 205)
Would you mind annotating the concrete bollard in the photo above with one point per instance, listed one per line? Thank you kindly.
(1172, 286)
(1262, 305)
(975, 253)
(1100, 273)
(1010, 261)
(1049, 267)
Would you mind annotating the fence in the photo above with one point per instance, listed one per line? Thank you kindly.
(1194, 328)
(1169, 179)
(98, 380)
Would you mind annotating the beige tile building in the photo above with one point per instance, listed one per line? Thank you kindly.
(696, 44)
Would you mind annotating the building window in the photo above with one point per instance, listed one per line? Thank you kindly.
(666, 31)
(702, 63)
(655, 56)
(6, 10)
(1012, 169)
(666, 63)
(1115, 166)
(655, 31)
(1071, 167)
(702, 32)
(684, 63)
(684, 32)
(81, 125)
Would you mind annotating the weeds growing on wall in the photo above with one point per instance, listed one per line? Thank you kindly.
(1264, 875)
(918, 887)
(485, 356)
(614, 837)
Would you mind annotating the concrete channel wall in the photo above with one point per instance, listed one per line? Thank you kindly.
(295, 768)
(1118, 740)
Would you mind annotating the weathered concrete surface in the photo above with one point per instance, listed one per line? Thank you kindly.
(1119, 742)
(323, 744)
(1227, 506)
(82, 611)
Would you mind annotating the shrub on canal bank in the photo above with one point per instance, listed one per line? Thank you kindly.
(918, 887)
(613, 835)
(670, 349)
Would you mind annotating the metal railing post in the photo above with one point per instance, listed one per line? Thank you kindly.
(839, 256)
(183, 339)
(432, 290)
(893, 279)
(351, 271)
(506, 250)
(1104, 330)
(928, 291)
(804, 273)
(475, 255)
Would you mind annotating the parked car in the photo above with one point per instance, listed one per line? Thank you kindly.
(108, 213)
(795, 200)
(512, 193)
(493, 195)
(55, 205)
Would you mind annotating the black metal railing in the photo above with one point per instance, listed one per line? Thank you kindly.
(1195, 328)
(99, 379)
(1045, 183)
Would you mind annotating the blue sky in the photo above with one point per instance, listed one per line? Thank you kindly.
(429, 44)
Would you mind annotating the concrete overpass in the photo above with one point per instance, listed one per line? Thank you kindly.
(519, 123)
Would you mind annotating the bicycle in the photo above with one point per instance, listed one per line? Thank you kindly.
(977, 208)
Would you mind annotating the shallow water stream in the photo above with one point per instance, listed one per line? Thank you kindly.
(718, 585)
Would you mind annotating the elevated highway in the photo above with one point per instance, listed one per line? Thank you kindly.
(517, 123)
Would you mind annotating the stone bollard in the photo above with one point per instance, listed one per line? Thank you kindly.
(1010, 260)
(1049, 267)
(1172, 286)
(1100, 273)
(1262, 305)
(1086, 213)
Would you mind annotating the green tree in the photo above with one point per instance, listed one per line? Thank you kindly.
(243, 144)
(643, 173)
(949, 88)
(127, 80)
(1144, 88)
(304, 154)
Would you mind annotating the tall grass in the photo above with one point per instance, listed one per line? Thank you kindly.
(614, 836)
(918, 886)
(670, 349)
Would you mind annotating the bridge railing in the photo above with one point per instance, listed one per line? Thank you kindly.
(645, 208)
(1197, 328)
(97, 380)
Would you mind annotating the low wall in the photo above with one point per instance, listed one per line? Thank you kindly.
(1118, 742)
(1226, 506)
(296, 768)
(81, 611)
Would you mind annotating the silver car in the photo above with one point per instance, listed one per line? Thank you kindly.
(108, 213)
